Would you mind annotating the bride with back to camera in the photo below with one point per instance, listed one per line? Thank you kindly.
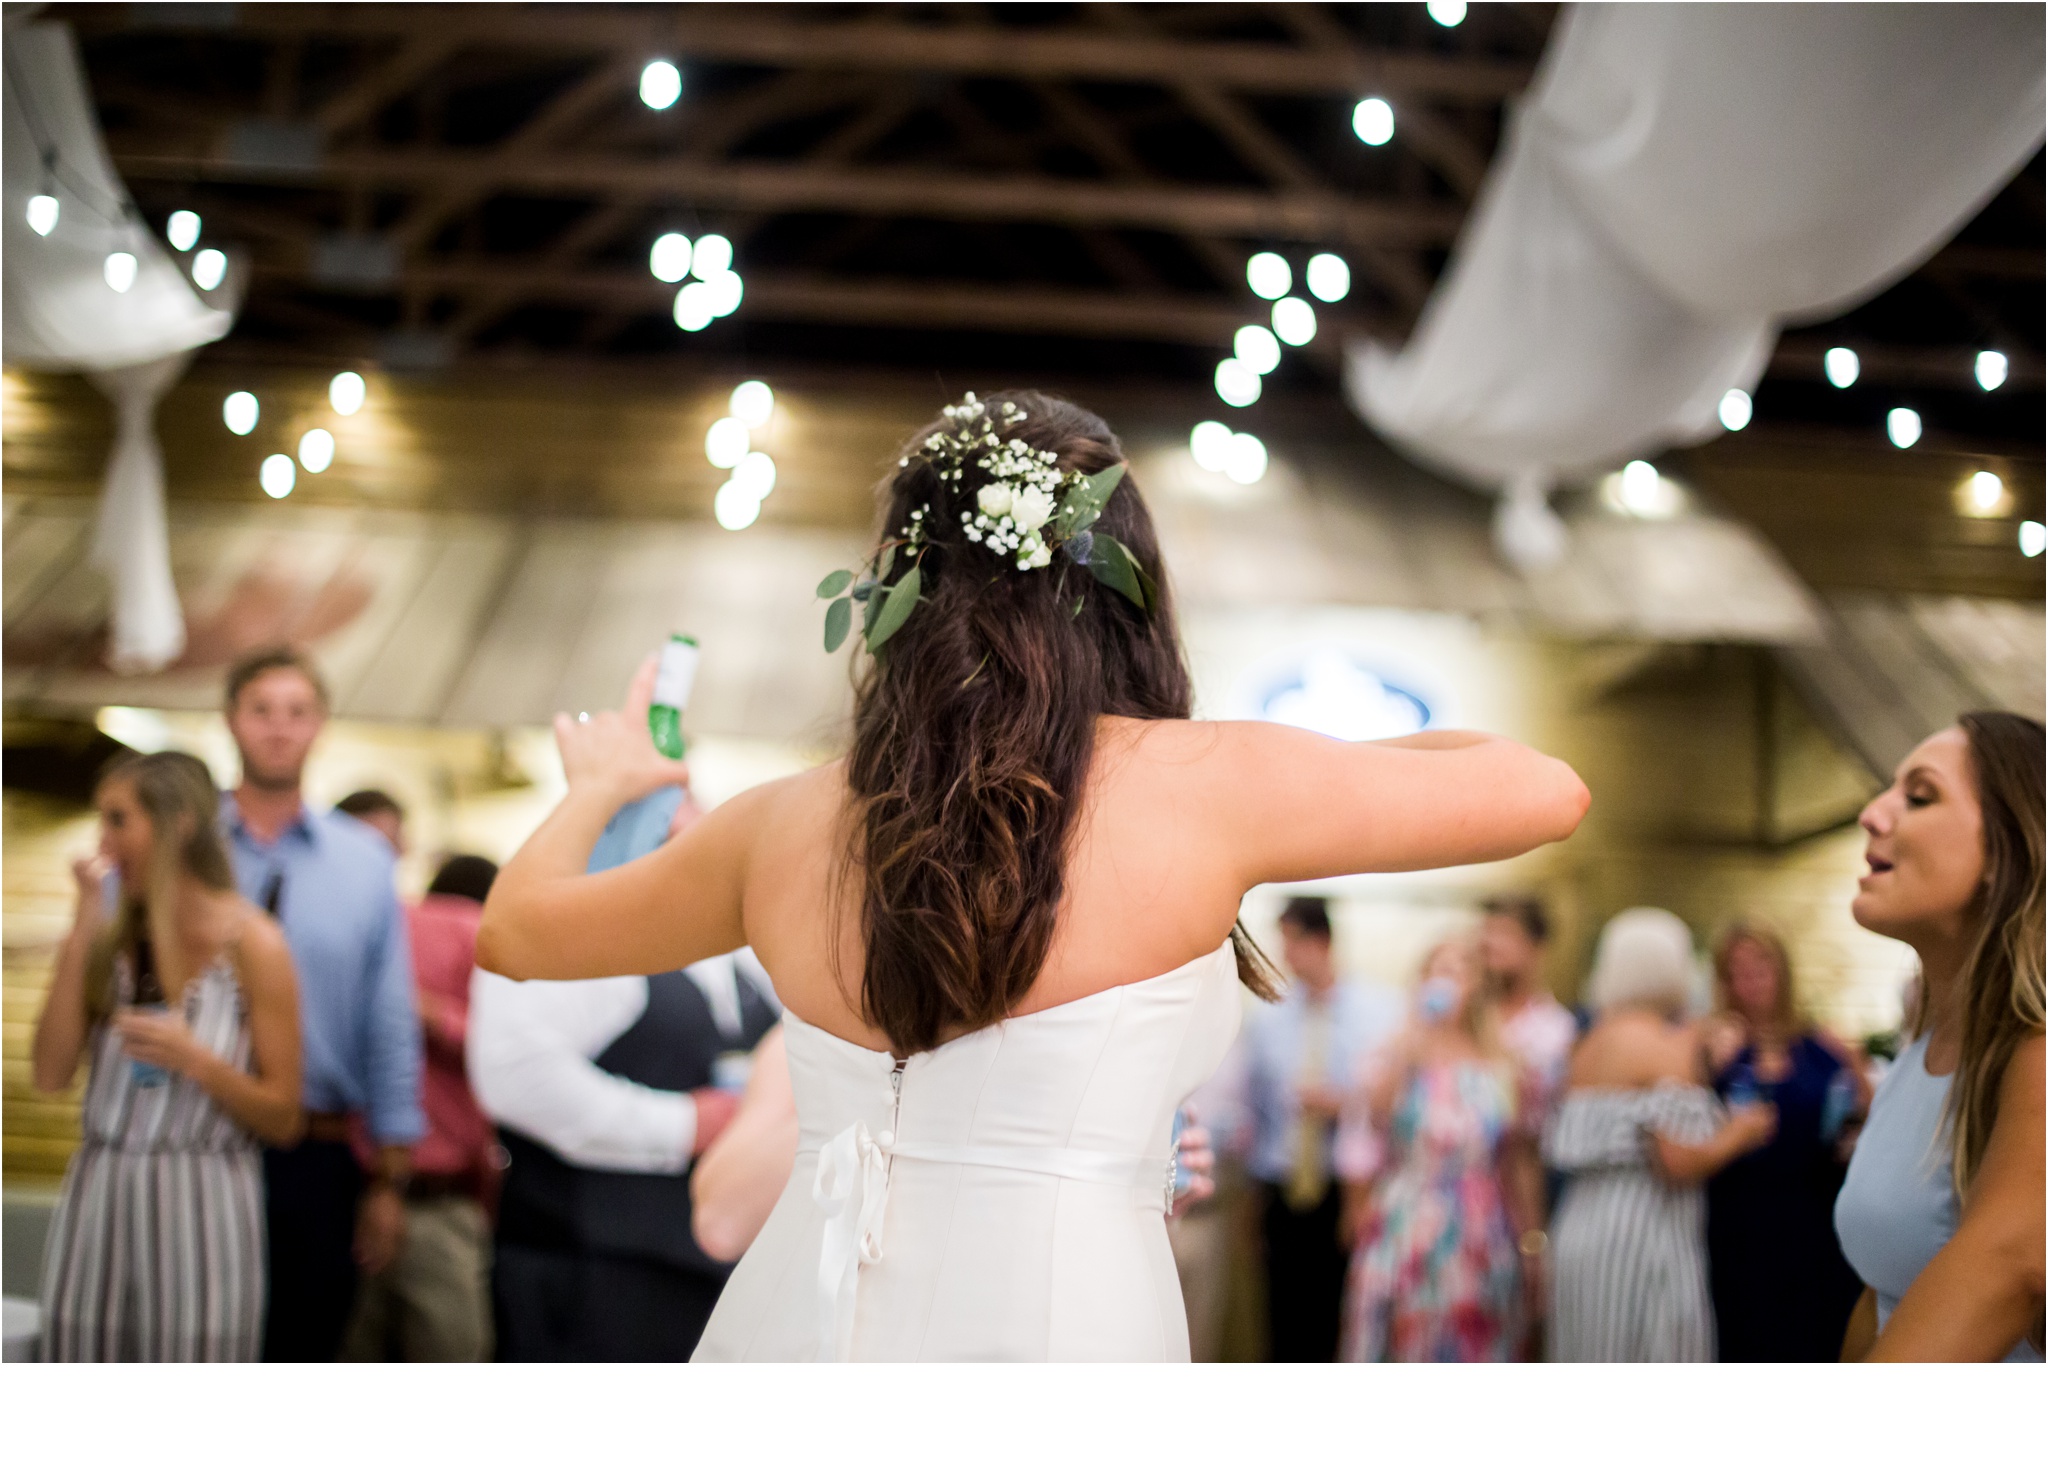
(1004, 926)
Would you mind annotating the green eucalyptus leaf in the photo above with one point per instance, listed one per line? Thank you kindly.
(902, 601)
(1115, 567)
(1084, 504)
(834, 584)
(888, 559)
(872, 608)
(838, 621)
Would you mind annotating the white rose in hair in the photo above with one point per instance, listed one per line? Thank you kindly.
(1040, 558)
(1031, 507)
(994, 500)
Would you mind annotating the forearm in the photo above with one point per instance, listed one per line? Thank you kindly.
(1861, 1332)
(738, 1180)
(514, 913)
(1685, 1165)
(393, 1165)
(1522, 1188)
(61, 1030)
(268, 1107)
(1972, 1303)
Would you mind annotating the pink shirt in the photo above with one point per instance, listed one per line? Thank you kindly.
(1540, 1033)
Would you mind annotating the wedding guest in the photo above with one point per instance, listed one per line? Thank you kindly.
(1442, 1185)
(1941, 1214)
(1782, 1291)
(433, 1303)
(383, 813)
(604, 1097)
(1638, 1132)
(1514, 935)
(183, 995)
(328, 881)
(1301, 1058)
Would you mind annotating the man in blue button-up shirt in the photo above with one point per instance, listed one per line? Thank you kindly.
(328, 880)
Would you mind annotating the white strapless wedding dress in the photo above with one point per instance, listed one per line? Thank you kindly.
(999, 1197)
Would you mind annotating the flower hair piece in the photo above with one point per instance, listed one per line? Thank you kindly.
(1026, 511)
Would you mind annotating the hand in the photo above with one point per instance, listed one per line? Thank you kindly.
(715, 1109)
(90, 872)
(1750, 1126)
(612, 753)
(159, 1038)
(380, 1227)
(1725, 1036)
(1198, 1167)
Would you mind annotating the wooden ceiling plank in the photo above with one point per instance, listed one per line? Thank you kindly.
(382, 83)
(1303, 216)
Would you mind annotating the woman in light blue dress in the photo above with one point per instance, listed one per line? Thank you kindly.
(1941, 1213)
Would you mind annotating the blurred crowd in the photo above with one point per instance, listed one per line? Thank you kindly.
(313, 1131)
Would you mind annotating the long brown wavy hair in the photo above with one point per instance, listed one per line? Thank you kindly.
(974, 728)
(2001, 994)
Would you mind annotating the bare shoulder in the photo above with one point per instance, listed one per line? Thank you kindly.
(263, 958)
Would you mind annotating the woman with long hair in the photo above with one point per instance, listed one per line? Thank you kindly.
(1004, 925)
(184, 997)
(1637, 1134)
(1782, 1291)
(1941, 1213)
(1441, 1182)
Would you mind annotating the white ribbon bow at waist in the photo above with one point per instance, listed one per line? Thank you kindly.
(852, 1189)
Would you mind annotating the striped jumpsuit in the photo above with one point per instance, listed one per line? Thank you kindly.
(156, 1248)
(1629, 1250)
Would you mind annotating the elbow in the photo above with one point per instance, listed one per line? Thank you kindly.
(716, 1230)
(284, 1129)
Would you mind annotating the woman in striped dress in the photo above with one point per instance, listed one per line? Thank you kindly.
(185, 999)
(1637, 1136)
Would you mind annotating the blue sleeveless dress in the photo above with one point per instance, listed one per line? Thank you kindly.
(1898, 1206)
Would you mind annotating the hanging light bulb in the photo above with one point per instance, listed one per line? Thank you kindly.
(1992, 368)
(1294, 321)
(1736, 409)
(1329, 278)
(43, 209)
(1842, 366)
(1210, 444)
(711, 256)
(1245, 460)
(2033, 538)
(1449, 14)
(736, 506)
(182, 229)
(1902, 426)
(669, 259)
(1373, 121)
(753, 403)
(727, 442)
(209, 268)
(693, 306)
(726, 290)
(240, 412)
(347, 393)
(316, 450)
(1268, 274)
(277, 475)
(120, 271)
(1237, 384)
(661, 84)
(757, 472)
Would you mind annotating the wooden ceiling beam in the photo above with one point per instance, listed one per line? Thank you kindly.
(382, 83)
(1297, 215)
(765, 36)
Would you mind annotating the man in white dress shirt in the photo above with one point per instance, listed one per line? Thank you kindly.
(604, 1095)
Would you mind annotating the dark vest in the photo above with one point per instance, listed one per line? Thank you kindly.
(550, 1204)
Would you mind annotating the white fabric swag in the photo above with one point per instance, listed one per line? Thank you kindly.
(1679, 182)
(131, 542)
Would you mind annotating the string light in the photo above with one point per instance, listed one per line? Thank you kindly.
(1268, 274)
(1373, 121)
(1449, 14)
(726, 290)
(757, 472)
(736, 506)
(1902, 426)
(660, 85)
(182, 229)
(711, 256)
(43, 209)
(240, 412)
(693, 306)
(1992, 368)
(753, 403)
(277, 475)
(669, 259)
(1237, 384)
(1984, 495)
(316, 450)
(1329, 278)
(2033, 538)
(1245, 460)
(1257, 348)
(1842, 366)
(727, 442)
(347, 393)
(1294, 320)
(1736, 409)
(1210, 444)
(209, 268)
(120, 270)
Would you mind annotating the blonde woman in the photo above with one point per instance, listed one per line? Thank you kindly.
(185, 999)
(1637, 1134)
(1782, 1292)
(1941, 1214)
(1441, 1183)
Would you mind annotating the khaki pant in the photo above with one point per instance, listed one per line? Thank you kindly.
(433, 1304)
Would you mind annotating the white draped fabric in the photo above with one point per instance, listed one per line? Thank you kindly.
(61, 314)
(1679, 182)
